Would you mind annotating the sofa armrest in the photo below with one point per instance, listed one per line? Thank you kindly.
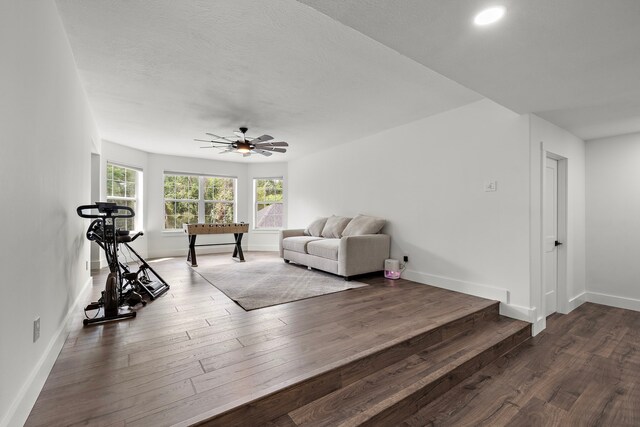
(288, 233)
(363, 254)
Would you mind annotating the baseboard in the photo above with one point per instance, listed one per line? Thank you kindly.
(264, 248)
(613, 300)
(28, 394)
(199, 251)
(476, 289)
(575, 302)
(518, 312)
(526, 314)
(99, 264)
(538, 326)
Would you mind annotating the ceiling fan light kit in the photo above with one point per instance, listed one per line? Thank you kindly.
(245, 145)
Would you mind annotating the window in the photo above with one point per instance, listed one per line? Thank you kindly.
(192, 199)
(269, 207)
(181, 198)
(122, 188)
(218, 200)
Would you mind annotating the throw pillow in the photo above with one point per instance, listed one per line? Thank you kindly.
(364, 224)
(334, 226)
(315, 228)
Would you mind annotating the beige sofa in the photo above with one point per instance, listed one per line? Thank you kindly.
(345, 256)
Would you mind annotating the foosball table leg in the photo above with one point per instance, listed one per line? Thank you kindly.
(191, 256)
(237, 252)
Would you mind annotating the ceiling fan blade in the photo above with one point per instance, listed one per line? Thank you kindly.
(262, 138)
(271, 144)
(263, 152)
(212, 142)
(210, 146)
(276, 150)
(219, 137)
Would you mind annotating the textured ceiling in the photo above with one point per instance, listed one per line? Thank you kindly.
(574, 62)
(160, 73)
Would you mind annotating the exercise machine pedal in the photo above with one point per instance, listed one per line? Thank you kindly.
(154, 288)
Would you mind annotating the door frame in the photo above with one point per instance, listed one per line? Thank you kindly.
(563, 195)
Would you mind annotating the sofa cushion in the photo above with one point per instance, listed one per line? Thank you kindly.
(334, 226)
(298, 243)
(315, 228)
(325, 248)
(364, 224)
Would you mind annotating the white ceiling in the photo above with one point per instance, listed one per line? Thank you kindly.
(574, 62)
(160, 73)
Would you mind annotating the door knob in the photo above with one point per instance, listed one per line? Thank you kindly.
(557, 243)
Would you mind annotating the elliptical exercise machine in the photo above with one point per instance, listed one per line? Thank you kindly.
(122, 287)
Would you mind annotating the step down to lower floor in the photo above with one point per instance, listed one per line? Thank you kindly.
(314, 383)
(390, 395)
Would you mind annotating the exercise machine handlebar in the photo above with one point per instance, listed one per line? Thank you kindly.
(105, 210)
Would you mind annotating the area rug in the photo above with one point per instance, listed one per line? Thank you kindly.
(259, 284)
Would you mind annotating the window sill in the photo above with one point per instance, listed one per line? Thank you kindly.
(266, 231)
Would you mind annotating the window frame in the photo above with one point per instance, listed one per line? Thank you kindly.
(256, 202)
(137, 219)
(201, 201)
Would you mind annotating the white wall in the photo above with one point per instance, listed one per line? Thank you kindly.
(46, 137)
(97, 255)
(427, 179)
(547, 137)
(613, 221)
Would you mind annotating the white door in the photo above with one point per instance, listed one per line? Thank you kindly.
(551, 235)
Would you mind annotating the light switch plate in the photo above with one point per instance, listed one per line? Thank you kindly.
(491, 186)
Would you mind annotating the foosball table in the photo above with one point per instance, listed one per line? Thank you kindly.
(193, 230)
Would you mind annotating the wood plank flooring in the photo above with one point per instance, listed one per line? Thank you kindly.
(583, 370)
(387, 395)
(193, 352)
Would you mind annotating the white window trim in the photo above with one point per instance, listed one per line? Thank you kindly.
(137, 219)
(201, 200)
(255, 227)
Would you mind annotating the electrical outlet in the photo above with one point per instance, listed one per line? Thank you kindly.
(406, 258)
(36, 329)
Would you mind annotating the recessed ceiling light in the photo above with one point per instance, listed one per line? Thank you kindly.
(489, 16)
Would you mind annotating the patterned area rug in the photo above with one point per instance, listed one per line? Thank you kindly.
(258, 284)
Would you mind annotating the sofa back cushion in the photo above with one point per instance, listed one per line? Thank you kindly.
(334, 226)
(315, 228)
(364, 224)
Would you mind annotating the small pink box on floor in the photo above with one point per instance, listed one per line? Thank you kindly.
(392, 269)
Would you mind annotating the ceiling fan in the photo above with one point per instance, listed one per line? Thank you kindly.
(245, 145)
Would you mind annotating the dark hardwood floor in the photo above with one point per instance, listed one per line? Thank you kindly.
(583, 370)
(195, 355)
